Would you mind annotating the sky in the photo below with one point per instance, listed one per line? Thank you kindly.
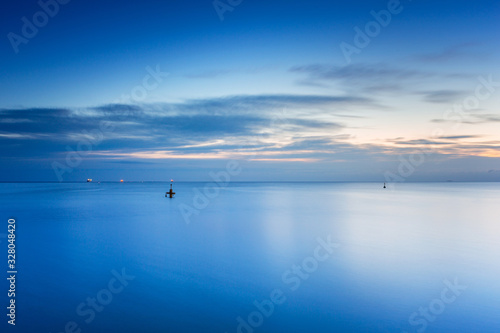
(287, 91)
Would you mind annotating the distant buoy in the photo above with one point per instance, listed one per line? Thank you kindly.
(170, 194)
(384, 185)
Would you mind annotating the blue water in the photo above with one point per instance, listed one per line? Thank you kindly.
(397, 251)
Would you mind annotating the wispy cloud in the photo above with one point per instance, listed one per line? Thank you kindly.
(449, 53)
(357, 72)
(472, 119)
(279, 128)
(442, 96)
(456, 145)
(359, 77)
(371, 79)
(203, 126)
(208, 74)
(458, 137)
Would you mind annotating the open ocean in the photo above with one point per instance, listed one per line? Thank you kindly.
(254, 257)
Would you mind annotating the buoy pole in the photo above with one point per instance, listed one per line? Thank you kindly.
(170, 193)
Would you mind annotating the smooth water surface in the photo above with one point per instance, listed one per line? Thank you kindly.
(202, 264)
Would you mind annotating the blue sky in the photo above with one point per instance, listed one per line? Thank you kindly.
(154, 90)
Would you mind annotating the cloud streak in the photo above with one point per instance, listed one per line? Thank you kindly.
(447, 54)
(286, 128)
(195, 125)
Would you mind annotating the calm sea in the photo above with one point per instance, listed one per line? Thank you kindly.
(254, 257)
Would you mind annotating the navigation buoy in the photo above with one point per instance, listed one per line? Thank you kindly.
(384, 185)
(170, 193)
